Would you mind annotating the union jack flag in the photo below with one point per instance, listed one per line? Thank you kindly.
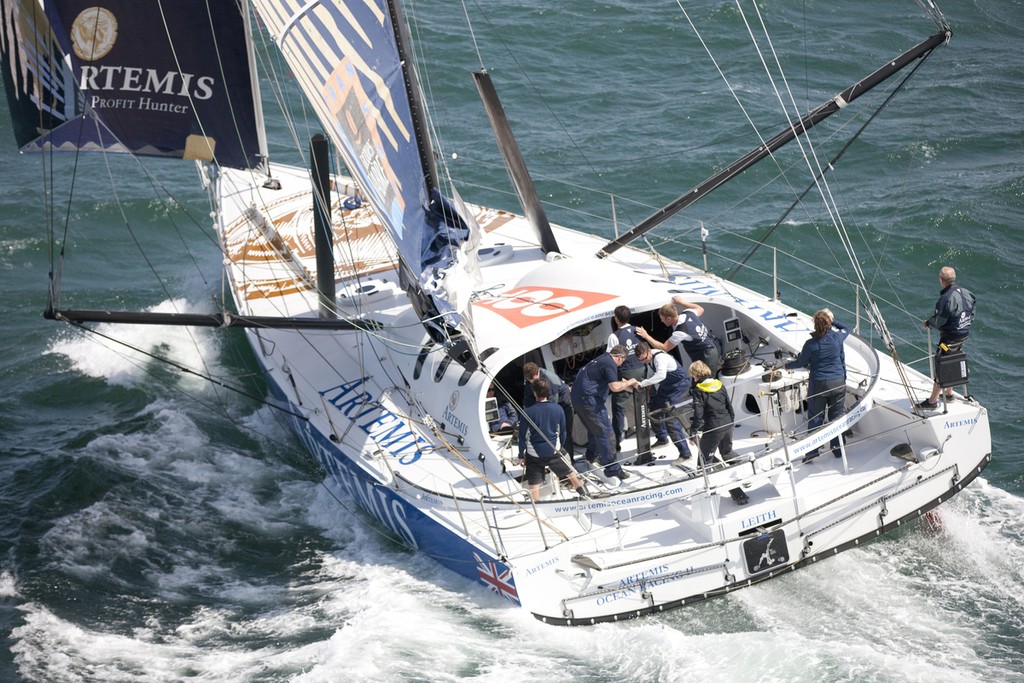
(498, 580)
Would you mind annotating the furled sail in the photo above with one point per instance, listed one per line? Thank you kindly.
(146, 77)
(348, 58)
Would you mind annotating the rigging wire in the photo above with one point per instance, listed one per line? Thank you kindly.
(536, 90)
(804, 143)
(472, 35)
(829, 166)
(934, 13)
(56, 257)
(46, 176)
(188, 93)
(142, 252)
(280, 410)
(800, 140)
(725, 79)
(825, 191)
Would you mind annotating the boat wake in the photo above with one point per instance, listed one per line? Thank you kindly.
(244, 571)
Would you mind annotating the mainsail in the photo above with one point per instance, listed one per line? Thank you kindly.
(143, 77)
(348, 59)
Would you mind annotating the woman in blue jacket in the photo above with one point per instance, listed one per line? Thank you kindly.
(823, 353)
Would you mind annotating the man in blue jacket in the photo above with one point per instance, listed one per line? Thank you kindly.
(559, 394)
(823, 353)
(541, 433)
(590, 391)
(953, 317)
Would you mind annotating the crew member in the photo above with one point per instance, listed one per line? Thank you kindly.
(688, 331)
(590, 390)
(953, 317)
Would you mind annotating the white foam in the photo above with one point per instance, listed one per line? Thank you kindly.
(8, 588)
(78, 545)
(883, 611)
(49, 648)
(369, 610)
(263, 423)
(121, 364)
(176, 479)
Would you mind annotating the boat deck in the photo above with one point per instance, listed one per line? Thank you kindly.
(402, 427)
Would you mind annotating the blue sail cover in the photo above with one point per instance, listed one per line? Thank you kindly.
(345, 56)
(146, 77)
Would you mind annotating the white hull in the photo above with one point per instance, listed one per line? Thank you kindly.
(400, 428)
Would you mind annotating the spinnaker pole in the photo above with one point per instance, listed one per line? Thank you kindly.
(819, 114)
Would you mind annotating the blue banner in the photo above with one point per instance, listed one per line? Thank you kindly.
(148, 77)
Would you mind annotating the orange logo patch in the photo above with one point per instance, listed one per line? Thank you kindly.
(527, 306)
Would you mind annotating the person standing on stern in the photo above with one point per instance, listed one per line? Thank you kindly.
(953, 317)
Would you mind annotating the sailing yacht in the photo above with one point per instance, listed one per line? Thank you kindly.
(383, 309)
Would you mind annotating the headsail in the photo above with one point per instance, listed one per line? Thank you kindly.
(145, 77)
(348, 59)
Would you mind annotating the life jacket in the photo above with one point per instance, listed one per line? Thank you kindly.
(676, 380)
(699, 336)
(627, 337)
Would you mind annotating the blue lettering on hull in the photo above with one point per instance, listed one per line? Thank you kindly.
(772, 319)
(407, 522)
(391, 432)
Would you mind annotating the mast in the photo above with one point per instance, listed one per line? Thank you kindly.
(254, 81)
(515, 163)
(755, 155)
(412, 88)
(421, 301)
(437, 323)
